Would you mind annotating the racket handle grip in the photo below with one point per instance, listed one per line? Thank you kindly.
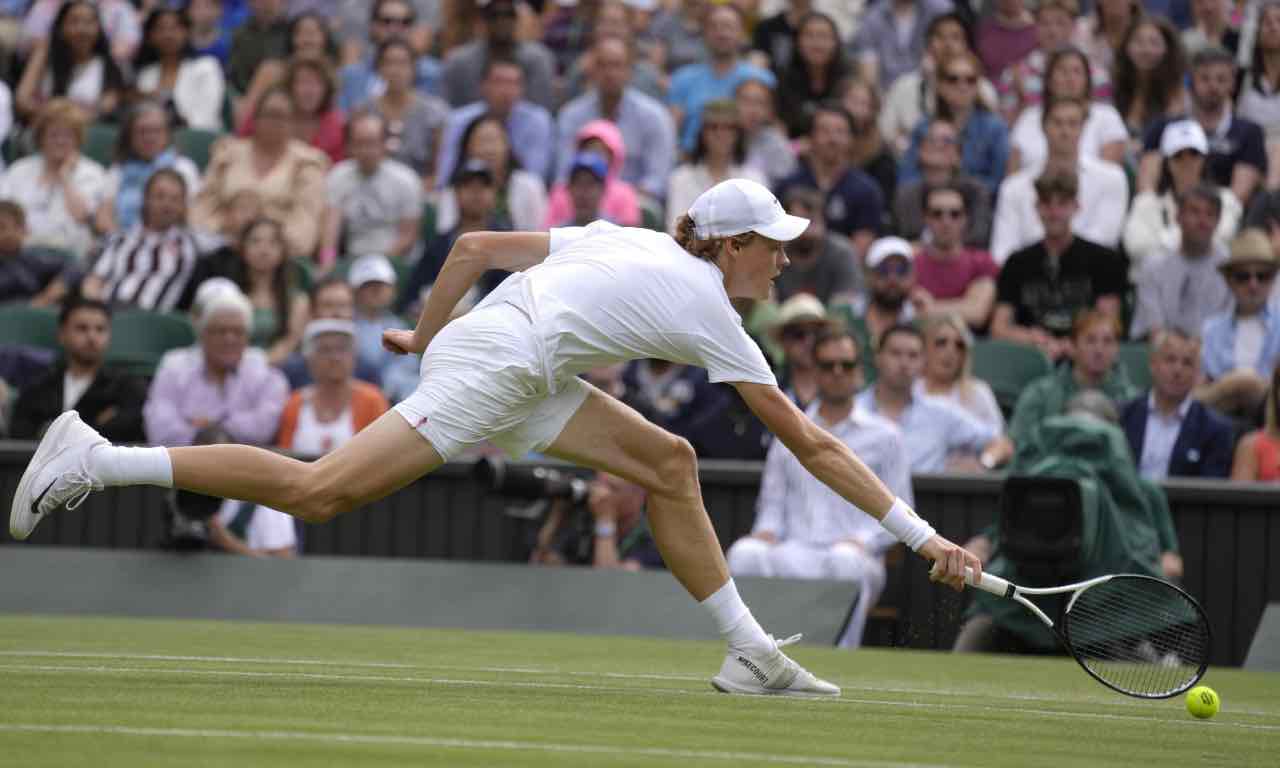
(988, 583)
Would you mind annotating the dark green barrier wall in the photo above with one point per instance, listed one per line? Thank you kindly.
(1230, 535)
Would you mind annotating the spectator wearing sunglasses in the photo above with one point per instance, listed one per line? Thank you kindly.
(956, 278)
(1243, 343)
(465, 66)
(799, 320)
(892, 297)
(939, 159)
(948, 370)
(361, 81)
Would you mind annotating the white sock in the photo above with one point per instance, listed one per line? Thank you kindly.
(114, 465)
(734, 620)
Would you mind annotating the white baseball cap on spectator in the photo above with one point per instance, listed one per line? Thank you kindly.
(888, 246)
(641, 5)
(317, 328)
(736, 206)
(1183, 134)
(375, 268)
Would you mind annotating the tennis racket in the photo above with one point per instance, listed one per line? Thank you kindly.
(1137, 635)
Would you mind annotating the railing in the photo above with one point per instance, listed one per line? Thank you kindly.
(1229, 535)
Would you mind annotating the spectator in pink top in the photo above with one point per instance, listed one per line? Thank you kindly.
(1006, 37)
(951, 278)
(219, 385)
(619, 203)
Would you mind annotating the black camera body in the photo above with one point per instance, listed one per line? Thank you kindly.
(529, 483)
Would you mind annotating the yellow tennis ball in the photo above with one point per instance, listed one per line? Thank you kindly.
(1203, 702)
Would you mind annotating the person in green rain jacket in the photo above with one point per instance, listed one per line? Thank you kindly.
(1126, 527)
(1095, 340)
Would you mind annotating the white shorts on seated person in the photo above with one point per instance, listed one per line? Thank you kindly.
(750, 556)
(268, 529)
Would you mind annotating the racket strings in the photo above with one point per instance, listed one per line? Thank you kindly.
(1141, 636)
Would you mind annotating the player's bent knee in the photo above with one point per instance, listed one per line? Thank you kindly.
(678, 471)
(319, 499)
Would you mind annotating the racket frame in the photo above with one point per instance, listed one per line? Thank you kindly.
(1007, 589)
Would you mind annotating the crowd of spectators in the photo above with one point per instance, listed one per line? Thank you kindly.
(291, 174)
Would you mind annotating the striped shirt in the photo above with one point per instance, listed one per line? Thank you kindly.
(147, 269)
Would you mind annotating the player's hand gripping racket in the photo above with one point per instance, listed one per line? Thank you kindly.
(1134, 634)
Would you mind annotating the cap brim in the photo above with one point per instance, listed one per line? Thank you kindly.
(784, 229)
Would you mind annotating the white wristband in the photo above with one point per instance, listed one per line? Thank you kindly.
(909, 527)
(605, 529)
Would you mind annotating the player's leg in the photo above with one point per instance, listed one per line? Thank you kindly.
(609, 436)
(382, 458)
(73, 460)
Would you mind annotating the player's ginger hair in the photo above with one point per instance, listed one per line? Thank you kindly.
(686, 237)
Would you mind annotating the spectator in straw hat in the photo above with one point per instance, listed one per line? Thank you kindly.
(799, 320)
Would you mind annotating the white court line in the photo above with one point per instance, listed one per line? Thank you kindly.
(848, 685)
(846, 700)
(425, 741)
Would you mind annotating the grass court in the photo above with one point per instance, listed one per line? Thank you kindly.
(123, 693)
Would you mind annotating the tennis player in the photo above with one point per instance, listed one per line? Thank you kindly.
(507, 372)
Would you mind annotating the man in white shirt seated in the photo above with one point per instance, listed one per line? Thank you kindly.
(803, 530)
(1103, 197)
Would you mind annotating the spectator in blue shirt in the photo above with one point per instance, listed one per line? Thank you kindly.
(359, 82)
(936, 432)
(502, 95)
(1242, 345)
(854, 204)
(647, 129)
(715, 78)
(983, 136)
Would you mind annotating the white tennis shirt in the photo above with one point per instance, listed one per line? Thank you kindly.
(608, 294)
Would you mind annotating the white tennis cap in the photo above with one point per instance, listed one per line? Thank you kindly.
(1184, 134)
(371, 269)
(740, 205)
(886, 247)
(322, 326)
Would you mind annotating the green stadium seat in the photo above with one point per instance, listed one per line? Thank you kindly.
(1008, 366)
(34, 326)
(1135, 356)
(140, 338)
(196, 144)
(303, 274)
(100, 143)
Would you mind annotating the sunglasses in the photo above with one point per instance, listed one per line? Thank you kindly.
(1243, 276)
(399, 21)
(966, 79)
(947, 213)
(895, 268)
(830, 366)
(798, 332)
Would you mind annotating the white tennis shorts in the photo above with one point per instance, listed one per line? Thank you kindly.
(484, 377)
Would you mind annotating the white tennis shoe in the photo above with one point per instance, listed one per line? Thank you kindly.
(770, 674)
(58, 474)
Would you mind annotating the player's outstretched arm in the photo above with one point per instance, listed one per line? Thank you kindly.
(831, 461)
(472, 255)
